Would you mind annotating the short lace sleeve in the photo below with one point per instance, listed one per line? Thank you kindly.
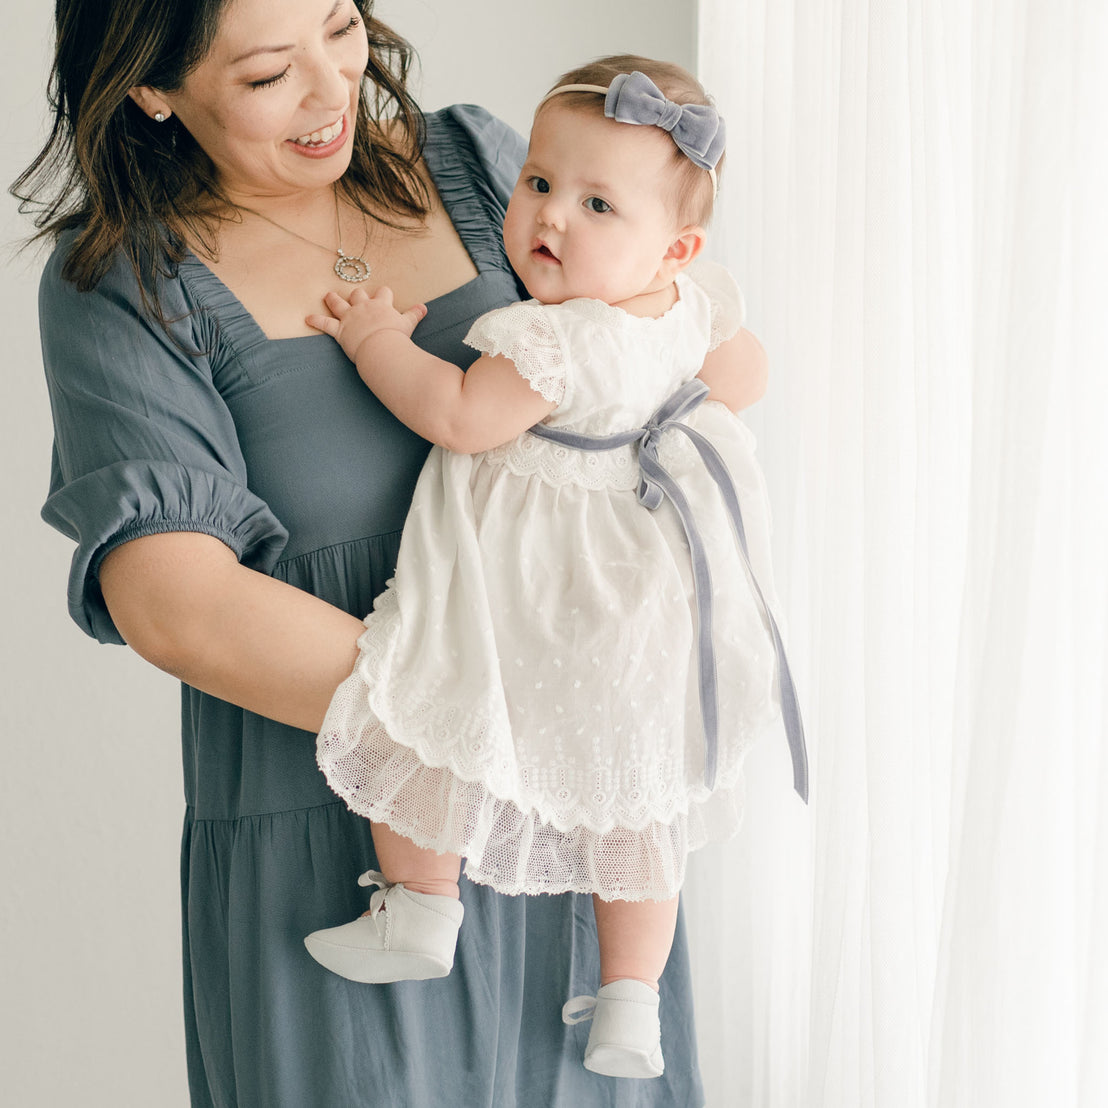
(525, 334)
(728, 306)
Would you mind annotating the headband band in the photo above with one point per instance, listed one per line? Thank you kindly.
(697, 129)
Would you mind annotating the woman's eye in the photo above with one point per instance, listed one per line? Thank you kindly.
(595, 204)
(269, 82)
(539, 184)
(277, 78)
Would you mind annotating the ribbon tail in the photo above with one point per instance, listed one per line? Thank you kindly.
(790, 713)
(790, 704)
(656, 473)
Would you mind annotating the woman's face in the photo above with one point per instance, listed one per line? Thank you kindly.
(275, 101)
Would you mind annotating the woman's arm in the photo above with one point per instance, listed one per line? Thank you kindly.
(736, 371)
(183, 601)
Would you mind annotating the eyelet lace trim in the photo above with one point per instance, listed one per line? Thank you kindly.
(523, 334)
(456, 783)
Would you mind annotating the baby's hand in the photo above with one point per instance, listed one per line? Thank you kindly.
(361, 317)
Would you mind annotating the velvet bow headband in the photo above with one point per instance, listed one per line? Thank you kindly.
(697, 129)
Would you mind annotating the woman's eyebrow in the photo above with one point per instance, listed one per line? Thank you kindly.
(281, 49)
(260, 50)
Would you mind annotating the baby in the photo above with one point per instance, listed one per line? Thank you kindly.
(552, 688)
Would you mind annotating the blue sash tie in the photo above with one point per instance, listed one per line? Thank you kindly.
(655, 485)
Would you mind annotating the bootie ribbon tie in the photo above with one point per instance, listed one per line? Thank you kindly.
(380, 898)
(657, 484)
(579, 1009)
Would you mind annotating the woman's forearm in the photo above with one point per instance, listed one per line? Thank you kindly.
(184, 602)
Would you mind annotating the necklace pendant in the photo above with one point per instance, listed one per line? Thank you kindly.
(352, 268)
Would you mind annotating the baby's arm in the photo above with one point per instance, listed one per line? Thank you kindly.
(486, 406)
(736, 371)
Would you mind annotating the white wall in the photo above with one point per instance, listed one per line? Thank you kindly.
(90, 789)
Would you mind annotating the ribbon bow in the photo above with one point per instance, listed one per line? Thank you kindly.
(697, 129)
(656, 484)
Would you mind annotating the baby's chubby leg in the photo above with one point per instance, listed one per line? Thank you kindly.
(635, 941)
(411, 928)
(417, 869)
(635, 938)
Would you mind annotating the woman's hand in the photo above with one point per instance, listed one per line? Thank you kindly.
(356, 320)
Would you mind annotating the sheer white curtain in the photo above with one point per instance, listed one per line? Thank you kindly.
(915, 202)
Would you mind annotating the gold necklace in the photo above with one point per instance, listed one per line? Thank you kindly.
(350, 267)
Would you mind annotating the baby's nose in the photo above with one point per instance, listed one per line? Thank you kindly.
(551, 215)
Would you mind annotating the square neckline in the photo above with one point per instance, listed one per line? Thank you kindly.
(456, 186)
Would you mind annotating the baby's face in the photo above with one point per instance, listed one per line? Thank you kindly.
(591, 212)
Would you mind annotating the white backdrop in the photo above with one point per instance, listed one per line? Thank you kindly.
(915, 201)
(914, 204)
(89, 931)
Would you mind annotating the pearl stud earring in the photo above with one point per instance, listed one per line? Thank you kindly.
(160, 117)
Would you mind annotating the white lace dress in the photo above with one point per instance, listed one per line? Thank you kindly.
(526, 693)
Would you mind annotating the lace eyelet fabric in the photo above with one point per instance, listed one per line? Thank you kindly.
(526, 688)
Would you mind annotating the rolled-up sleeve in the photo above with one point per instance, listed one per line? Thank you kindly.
(143, 441)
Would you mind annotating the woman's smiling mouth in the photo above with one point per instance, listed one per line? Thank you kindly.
(323, 135)
(323, 141)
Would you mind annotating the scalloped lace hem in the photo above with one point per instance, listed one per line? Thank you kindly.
(378, 726)
(517, 852)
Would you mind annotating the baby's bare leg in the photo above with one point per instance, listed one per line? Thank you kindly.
(635, 938)
(420, 870)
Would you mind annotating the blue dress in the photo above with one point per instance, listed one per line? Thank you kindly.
(278, 449)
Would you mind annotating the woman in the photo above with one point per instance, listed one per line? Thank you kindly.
(237, 498)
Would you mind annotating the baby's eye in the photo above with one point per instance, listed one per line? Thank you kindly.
(538, 184)
(595, 204)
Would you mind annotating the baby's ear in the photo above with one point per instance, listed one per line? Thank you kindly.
(688, 244)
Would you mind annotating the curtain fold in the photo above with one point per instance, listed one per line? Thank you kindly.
(913, 200)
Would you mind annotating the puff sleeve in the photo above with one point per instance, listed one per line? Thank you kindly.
(728, 306)
(143, 441)
(525, 334)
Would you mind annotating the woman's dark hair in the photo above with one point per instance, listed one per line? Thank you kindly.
(133, 185)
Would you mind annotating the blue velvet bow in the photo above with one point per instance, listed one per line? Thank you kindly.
(696, 128)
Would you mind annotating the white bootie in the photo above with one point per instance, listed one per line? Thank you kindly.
(626, 1037)
(405, 936)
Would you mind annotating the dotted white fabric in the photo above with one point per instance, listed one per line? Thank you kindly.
(526, 689)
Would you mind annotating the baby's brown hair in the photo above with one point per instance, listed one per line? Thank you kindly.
(694, 193)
